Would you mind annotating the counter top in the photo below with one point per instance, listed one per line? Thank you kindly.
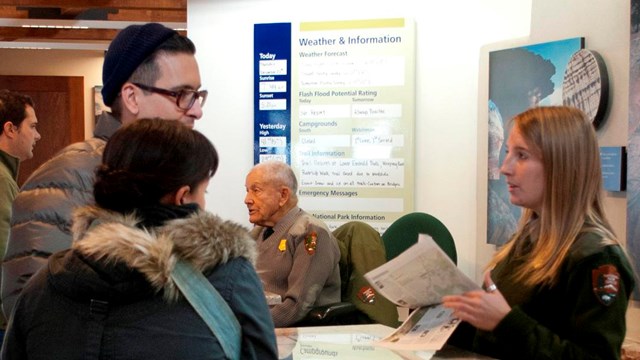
(352, 342)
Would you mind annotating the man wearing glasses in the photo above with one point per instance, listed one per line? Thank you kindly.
(149, 71)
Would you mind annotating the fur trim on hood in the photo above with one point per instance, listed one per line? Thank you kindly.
(204, 240)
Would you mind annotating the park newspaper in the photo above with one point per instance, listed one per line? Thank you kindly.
(418, 279)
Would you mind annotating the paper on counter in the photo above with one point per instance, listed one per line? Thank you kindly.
(420, 276)
(427, 328)
(418, 279)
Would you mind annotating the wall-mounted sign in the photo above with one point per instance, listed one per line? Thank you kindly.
(352, 115)
(272, 94)
(614, 167)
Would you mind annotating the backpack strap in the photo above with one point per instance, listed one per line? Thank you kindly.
(98, 311)
(208, 303)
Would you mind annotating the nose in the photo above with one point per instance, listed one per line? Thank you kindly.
(38, 137)
(195, 111)
(506, 168)
(247, 199)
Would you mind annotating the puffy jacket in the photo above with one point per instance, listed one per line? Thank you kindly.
(41, 218)
(111, 296)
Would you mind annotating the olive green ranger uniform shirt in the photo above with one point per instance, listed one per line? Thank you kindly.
(582, 316)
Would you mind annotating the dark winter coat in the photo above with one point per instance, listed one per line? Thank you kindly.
(111, 295)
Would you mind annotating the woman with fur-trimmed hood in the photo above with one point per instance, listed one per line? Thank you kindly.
(111, 295)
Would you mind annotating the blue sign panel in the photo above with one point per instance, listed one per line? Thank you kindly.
(613, 160)
(272, 92)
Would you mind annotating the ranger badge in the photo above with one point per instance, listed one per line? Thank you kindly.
(606, 283)
(310, 243)
(367, 295)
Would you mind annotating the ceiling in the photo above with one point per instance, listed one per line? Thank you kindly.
(78, 24)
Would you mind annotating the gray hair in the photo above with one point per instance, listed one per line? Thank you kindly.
(280, 173)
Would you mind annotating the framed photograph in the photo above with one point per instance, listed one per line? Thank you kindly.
(98, 104)
(519, 78)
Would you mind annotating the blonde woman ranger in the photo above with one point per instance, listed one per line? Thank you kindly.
(559, 289)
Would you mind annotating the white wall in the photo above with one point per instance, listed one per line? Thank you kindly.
(600, 24)
(446, 90)
(605, 27)
(58, 63)
(453, 40)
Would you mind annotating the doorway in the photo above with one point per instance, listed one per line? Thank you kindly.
(59, 107)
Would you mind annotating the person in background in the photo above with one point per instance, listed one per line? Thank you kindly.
(559, 289)
(149, 71)
(18, 137)
(111, 294)
(297, 254)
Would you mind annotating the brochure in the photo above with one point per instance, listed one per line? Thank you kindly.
(418, 279)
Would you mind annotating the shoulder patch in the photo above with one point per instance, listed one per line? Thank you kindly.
(311, 242)
(606, 283)
(367, 295)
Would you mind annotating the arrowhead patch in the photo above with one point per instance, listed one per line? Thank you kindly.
(606, 283)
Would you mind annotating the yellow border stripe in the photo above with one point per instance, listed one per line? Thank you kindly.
(351, 24)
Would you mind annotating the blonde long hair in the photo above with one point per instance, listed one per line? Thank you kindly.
(572, 200)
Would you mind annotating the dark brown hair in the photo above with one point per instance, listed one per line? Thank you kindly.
(13, 107)
(148, 159)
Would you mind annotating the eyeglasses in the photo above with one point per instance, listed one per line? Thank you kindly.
(185, 98)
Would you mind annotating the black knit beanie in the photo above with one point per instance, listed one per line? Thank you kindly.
(126, 52)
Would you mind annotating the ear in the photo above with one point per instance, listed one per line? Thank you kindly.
(129, 98)
(285, 194)
(8, 129)
(177, 197)
(181, 195)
